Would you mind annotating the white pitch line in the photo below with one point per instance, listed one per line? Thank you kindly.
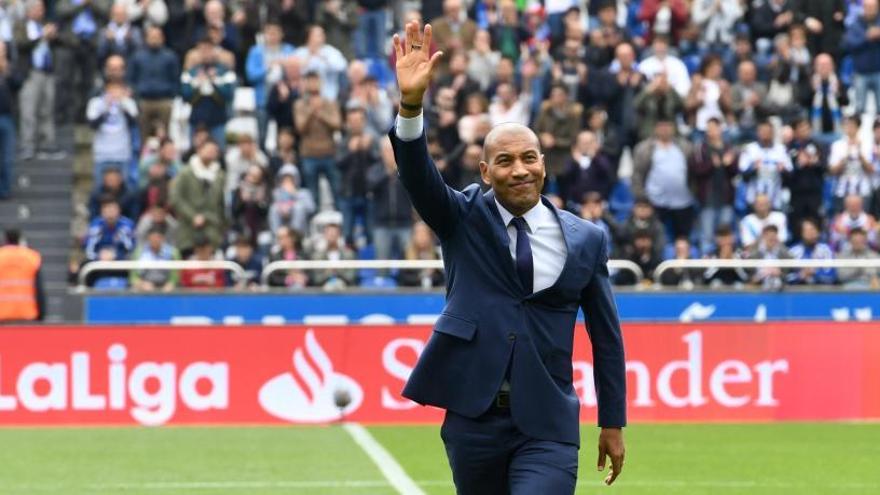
(386, 463)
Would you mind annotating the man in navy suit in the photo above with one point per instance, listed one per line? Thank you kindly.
(500, 357)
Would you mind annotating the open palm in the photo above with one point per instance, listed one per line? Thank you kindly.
(415, 66)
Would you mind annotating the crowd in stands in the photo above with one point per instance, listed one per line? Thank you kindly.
(683, 128)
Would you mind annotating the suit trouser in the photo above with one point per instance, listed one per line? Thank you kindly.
(490, 456)
(37, 110)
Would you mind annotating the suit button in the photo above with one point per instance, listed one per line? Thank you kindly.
(511, 336)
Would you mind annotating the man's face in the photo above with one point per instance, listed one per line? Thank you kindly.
(110, 212)
(859, 242)
(515, 168)
(243, 251)
(824, 65)
(762, 206)
(285, 141)
(713, 130)
(112, 179)
(274, 34)
(168, 152)
(155, 38)
(332, 234)
(851, 128)
(205, 252)
(747, 72)
(625, 55)
(119, 13)
(114, 68)
(355, 122)
(853, 205)
(809, 234)
(765, 134)
(37, 11)
(452, 9)
(206, 52)
(156, 239)
(664, 130)
(247, 147)
(458, 64)
(470, 159)
(724, 241)
(643, 244)
(643, 211)
(587, 144)
(608, 15)
(869, 8)
(660, 47)
(803, 131)
(505, 94)
(313, 84)
(771, 238)
(558, 97)
(317, 38)
(208, 153)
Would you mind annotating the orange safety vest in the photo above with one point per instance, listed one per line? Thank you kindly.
(18, 283)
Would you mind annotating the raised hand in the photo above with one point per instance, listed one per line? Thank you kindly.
(415, 64)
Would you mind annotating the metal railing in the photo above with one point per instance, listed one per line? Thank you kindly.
(741, 263)
(121, 266)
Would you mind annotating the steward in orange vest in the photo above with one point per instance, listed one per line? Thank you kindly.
(21, 295)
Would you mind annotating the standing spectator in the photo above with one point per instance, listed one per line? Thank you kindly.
(662, 61)
(325, 60)
(283, 95)
(80, 22)
(197, 199)
(421, 246)
(508, 34)
(753, 224)
(473, 125)
(370, 34)
(862, 41)
(643, 253)
(557, 127)
(157, 216)
(587, 170)
(850, 162)
(712, 168)
(245, 257)
(21, 287)
(717, 21)
(239, 159)
(374, 100)
(287, 248)
(154, 74)
(146, 12)
(807, 179)
(763, 164)
(113, 115)
(770, 18)
(110, 231)
(264, 69)
(10, 82)
(208, 87)
(509, 106)
(331, 246)
(770, 247)
(643, 218)
(317, 119)
(709, 96)
(665, 17)
(454, 31)
(291, 205)
(823, 20)
(625, 84)
(811, 249)
(457, 78)
(358, 153)
(119, 36)
(660, 172)
(392, 210)
(214, 17)
(203, 278)
(483, 60)
(725, 249)
(156, 248)
(853, 217)
(857, 248)
(593, 209)
(747, 100)
(250, 203)
(156, 189)
(657, 101)
(37, 42)
(828, 97)
(340, 19)
(111, 185)
(166, 157)
(284, 154)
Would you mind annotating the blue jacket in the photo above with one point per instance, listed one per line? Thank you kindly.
(154, 74)
(255, 69)
(120, 237)
(865, 53)
(490, 320)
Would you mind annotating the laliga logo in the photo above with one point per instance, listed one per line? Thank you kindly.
(309, 392)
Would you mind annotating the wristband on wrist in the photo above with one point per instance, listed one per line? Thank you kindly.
(410, 107)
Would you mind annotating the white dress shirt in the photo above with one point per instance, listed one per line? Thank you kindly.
(545, 233)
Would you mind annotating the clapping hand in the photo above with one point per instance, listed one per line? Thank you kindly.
(415, 65)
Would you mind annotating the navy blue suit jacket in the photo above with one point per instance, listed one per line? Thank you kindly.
(490, 320)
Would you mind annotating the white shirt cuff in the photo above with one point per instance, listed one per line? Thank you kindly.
(409, 129)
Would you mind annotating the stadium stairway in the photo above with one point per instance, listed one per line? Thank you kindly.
(41, 207)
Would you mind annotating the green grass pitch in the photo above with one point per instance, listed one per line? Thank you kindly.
(788, 458)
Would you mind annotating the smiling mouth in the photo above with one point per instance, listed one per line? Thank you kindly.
(522, 185)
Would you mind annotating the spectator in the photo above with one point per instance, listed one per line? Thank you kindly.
(421, 246)
(374, 100)
(22, 297)
(264, 68)
(331, 246)
(474, 124)
(392, 210)
(454, 31)
(807, 179)
(717, 20)
(166, 160)
(606, 135)
(557, 127)
(113, 186)
(571, 71)
(146, 12)
(317, 119)
(284, 94)
(110, 231)
(245, 257)
(119, 36)
(593, 210)
(643, 218)
(625, 84)
(340, 18)
(811, 249)
(509, 106)
(753, 224)
(770, 247)
(79, 23)
(10, 82)
(657, 102)
(660, 173)
(239, 160)
(156, 248)
(483, 60)
(203, 278)
(862, 41)
(37, 42)
(197, 199)
(828, 98)
(293, 17)
(508, 33)
(763, 165)
(458, 79)
(857, 248)
(853, 216)
(287, 248)
(113, 114)
(209, 87)
(291, 205)
(643, 253)
(725, 244)
(154, 74)
(285, 153)
(850, 161)
(823, 20)
(587, 170)
(323, 59)
(358, 153)
(370, 33)
(214, 17)
(747, 100)
(157, 216)
(683, 278)
(771, 18)
(712, 168)
(709, 96)
(250, 203)
(665, 18)
(661, 61)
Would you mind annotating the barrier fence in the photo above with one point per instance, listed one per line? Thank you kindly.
(161, 375)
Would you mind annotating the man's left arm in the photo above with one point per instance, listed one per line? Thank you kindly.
(609, 369)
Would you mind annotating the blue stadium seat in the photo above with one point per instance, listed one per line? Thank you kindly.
(621, 200)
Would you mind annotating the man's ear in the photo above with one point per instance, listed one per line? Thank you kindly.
(484, 173)
(543, 167)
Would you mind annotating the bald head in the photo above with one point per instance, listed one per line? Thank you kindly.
(513, 166)
(504, 133)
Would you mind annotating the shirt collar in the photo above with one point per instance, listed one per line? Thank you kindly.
(539, 216)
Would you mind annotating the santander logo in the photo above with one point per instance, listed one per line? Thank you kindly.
(306, 393)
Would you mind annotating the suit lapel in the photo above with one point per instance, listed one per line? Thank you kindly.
(501, 240)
